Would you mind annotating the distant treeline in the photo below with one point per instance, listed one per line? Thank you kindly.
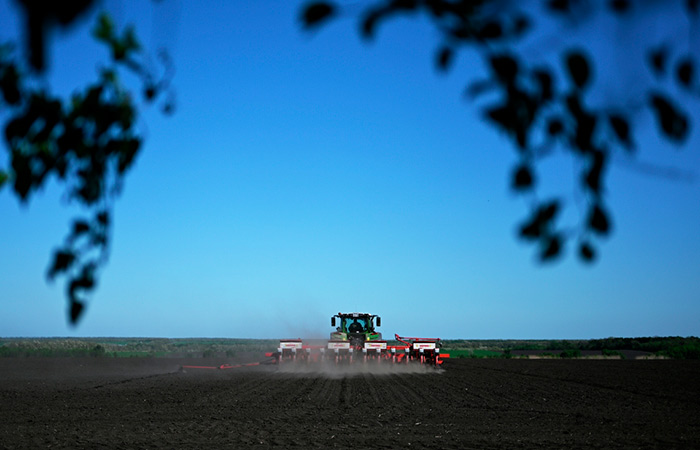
(671, 347)
(131, 347)
(14, 351)
(674, 347)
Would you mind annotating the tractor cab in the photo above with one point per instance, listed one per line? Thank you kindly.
(355, 327)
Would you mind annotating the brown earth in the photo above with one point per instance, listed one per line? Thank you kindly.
(150, 403)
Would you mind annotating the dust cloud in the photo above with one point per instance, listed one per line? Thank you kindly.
(331, 370)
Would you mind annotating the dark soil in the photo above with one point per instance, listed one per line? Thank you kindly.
(473, 403)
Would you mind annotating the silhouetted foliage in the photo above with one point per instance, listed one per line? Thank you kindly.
(542, 107)
(88, 141)
(315, 14)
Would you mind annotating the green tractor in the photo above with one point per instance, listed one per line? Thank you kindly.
(357, 328)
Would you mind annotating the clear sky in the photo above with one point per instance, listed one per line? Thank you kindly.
(305, 174)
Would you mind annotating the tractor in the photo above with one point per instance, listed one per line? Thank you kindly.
(355, 338)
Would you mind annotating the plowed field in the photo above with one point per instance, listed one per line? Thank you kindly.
(150, 403)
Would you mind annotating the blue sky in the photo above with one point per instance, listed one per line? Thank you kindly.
(309, 173)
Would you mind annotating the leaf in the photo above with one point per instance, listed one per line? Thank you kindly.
(522, 178)
(62, 261)
(372, 16)
(505, 67)
(685, 72)
(503, 116)
(104, 31)
(585, 124)
(103, 218)
(593, 176)
(84, 281)
(540, 220)
(76, 310)
(24, 178)
(551, 248)
(149, 91)
(586, 252)
(515, 114)
(559, 6)
(128, 150)
(130, 41)
(80, 227)
(622, 129)
(531, 230)
(578, 67)
(619, 6)
(598, 220)
(585, 127)
(316, 13)
(9, 84)
(548, 211)
(444, 58)
(369, 24)
(674, 123)
(657, 59)
(119, 50)
(514, 117)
